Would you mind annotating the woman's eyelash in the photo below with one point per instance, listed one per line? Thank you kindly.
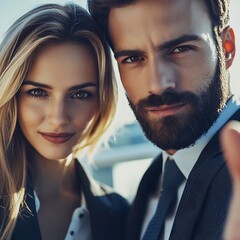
(81, 94)
(37, 93)
(78, 95)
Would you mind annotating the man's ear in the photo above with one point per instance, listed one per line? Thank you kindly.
(228, 41)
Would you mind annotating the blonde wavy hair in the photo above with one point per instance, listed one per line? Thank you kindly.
(44, 24)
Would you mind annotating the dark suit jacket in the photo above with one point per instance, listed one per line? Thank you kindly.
(107, 209)
(203, 207)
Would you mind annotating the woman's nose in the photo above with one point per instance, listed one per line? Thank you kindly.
(58, 112)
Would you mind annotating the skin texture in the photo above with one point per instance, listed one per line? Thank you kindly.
(58, 108)
(156, 56)
(231, 145)
(158, 70)
(59, 95)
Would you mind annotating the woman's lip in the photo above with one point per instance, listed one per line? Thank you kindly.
(166, 110)
(57, 138)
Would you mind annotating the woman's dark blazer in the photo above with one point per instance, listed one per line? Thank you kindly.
(108, 211)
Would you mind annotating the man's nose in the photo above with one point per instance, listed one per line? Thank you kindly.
(161, 76)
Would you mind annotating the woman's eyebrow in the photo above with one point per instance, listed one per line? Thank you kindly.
(83, 85)
(36, 84)
(41, 85)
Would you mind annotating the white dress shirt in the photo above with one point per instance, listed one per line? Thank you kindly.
(185, 160)
(79, 227)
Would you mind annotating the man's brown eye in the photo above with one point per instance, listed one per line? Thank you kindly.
(133, 59)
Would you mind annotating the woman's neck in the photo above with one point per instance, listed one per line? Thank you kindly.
(55, 177)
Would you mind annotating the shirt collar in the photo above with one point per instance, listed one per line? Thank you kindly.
(37, 201)
(187, 157)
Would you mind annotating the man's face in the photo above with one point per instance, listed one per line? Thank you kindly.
(169, 67)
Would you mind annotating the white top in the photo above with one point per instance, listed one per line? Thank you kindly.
(185, 160)
(79, 227)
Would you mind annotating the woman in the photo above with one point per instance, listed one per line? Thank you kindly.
(57, 98)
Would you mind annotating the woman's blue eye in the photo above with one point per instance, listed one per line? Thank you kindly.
(82, 95)
(37, 93)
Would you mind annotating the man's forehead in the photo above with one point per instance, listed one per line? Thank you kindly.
(162, 8)
(158, 19)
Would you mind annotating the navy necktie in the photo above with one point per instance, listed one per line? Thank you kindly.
(172, 179)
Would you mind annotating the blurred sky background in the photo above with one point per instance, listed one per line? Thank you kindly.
(10, 10)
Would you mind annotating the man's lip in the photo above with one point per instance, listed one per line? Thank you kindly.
(57, 138)
(166, 110)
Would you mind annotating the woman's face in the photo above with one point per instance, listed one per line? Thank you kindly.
(58, 98)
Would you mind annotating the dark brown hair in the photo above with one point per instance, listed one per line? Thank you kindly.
(99, 9)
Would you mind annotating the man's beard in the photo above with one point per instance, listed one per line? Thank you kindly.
(182, 130)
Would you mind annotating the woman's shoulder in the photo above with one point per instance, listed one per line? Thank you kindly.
(113, 195)
(100, 193)
(112, 203)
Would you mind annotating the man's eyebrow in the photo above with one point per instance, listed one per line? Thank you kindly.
(182, 39)
(125, 53)
(41, 85)
(167, 45)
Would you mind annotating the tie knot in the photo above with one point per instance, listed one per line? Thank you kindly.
(172, 176)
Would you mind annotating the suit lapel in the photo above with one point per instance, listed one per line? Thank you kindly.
(147, 186)
(91, 191)
(205, 169)
(193, 197)
(27, 226)
(105, 223)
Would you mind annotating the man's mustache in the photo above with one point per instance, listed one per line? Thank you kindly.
(167, 98)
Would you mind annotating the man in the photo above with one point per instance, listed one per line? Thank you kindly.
(173, 57)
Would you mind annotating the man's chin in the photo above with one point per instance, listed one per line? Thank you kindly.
(171, 132)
